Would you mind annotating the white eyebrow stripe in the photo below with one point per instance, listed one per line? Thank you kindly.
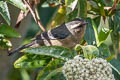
(74, 26)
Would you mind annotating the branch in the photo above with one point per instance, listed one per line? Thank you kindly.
(34, 15)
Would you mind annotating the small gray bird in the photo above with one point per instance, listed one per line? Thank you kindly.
(67, 35)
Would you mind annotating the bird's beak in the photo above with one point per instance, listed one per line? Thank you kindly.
(84, 23)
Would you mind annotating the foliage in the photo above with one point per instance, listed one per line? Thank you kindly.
(103, 17)
(7, 32)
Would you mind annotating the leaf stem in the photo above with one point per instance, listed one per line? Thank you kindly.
(115, 69)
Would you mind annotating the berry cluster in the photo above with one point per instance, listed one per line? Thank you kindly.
(85, 69)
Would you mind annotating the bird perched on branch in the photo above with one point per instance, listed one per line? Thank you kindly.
(67, 35)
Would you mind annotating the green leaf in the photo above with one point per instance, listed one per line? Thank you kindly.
(58, 76)
(51, 75)
(77, 48)
(89, 34)
(71, 4)
(56, 63)
(4, 11)
(53, 51)
(4, 43)
(8, 31)
(114, 25)
(115, 64)
(90, 51)
(97, 20)
(17, 3)
(96, 32)
(72, 15)
(31, 61)
(24, 74)
(104, 50)
(82, 8)
(103, 34)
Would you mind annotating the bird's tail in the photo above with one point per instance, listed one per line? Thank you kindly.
(21, 48)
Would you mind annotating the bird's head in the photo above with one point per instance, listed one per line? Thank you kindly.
(77, 25)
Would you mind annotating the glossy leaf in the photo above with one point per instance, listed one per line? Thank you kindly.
(82, 8)
(104, 50)
(17, 3)
(4, 43)
(103, 34)
(54, 73)
(53, 51)
(58, 18)
(114, 25)
(49, 68)
(71, 4)
(89, 34)
(90, 51)
(24, 74)
(57, 76)
(4, 11)
(97, 20)
(96, 32)
(8, 31)
(115, 64)
(72, 15)
(30, 61)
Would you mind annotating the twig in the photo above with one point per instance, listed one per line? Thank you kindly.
(34, 15)
(36, 12)
(114, 6)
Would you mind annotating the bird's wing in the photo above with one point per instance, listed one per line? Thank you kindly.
(60, 32)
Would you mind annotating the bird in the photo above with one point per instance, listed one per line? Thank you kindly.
(67, 35)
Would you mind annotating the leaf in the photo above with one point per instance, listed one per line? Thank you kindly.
(71, 4)
(114, 25)
(115, 64)
(53, 73)
(31, 61)
(90, 51)
(72, 15)
(89, 34)
(24, 74)
(82, 8)
(58, 76)
(96, 32)
(58, 18)
(103, 34)
(53, 51)
(4, 43)
(56, 63)
(17, 3)
(97, 20)
(8, 31)
(104, 50)
(4, 12)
